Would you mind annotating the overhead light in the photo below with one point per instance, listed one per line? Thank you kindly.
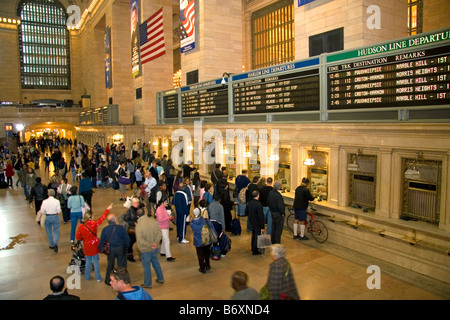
(155, 143)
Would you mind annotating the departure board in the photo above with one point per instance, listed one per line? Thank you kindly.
(416, 78)
(170, 103)
(297, 91)
(205, 102)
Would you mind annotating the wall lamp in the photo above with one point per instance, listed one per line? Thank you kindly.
(224, 82)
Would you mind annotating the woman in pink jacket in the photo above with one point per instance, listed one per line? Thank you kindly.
(163, 217)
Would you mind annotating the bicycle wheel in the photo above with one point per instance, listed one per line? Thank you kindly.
(319, 231)
(290, 222)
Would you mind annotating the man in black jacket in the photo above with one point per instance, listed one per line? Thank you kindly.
(59, 293)
(39, 192)
(301, 202)
(276, 205)
(255, 216)
(119, 241)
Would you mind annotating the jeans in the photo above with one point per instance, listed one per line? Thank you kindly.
(268, 218)
(52, 229)
(241, 213)
(74, 175)
(89, 261)
(147, 258)
(74, 216)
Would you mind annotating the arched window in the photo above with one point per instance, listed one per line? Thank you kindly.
(44, 45)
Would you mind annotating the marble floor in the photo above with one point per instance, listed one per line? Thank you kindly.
(321, 271)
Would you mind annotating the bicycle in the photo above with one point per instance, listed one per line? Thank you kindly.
(317, 229)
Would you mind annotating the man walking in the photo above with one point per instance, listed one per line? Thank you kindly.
(51, 207)
(148, 236)
(181, 203)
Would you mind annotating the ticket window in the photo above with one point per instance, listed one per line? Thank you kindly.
(283, 174)
(362, 172)
(318, 173)
(229, 156)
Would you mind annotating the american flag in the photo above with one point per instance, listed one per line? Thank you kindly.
(188, 20)
(151, 37)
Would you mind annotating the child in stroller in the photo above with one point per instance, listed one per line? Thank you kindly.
(78, 257)
(223, 245)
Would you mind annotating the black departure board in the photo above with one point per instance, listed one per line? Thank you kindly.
(205, 102)
(416, 78)
(170, 104)
(297, 91)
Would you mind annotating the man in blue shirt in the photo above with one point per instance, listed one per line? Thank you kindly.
(121, 283)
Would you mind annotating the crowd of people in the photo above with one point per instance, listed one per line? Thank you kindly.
(164, 197)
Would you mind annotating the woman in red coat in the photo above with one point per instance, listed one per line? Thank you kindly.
(9, 172)
(87, 232)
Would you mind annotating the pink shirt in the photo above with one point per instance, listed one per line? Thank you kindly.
(163, 217)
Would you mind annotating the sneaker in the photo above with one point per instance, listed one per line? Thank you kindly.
(55, 248)
(303, 238)
(162, 254)
(184, 241)
(99, 280)
(146, 287)
(160, 281)
(171, 259)
(296, 237)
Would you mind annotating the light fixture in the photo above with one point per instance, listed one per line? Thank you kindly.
(224, 82)
(155, 143)
(412, 173)
(274, 157)
(165, 144)
(309, 161)
(353, 166)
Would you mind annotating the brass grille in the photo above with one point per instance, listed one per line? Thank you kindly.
(421, 195)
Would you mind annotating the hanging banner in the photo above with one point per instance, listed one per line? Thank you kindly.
(187, 25)
(135, 54)
(303, 2)
(108, 72)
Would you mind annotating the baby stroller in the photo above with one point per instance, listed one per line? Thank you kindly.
(78, 257)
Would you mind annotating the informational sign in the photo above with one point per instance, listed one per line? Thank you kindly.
(205, 102)
(170, 103)
(297, 91)
(135, 49)
(415, 78)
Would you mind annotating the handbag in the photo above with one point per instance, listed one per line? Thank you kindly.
(106, 249)
(263, 241)
(124, 180)
(212, 232)
(264, 293)
(127, 203)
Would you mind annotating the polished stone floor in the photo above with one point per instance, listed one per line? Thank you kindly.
(321, 271)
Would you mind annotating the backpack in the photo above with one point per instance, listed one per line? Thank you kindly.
(243, 195)
(153, 193)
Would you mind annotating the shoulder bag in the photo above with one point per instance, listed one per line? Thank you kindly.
(106, 249)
